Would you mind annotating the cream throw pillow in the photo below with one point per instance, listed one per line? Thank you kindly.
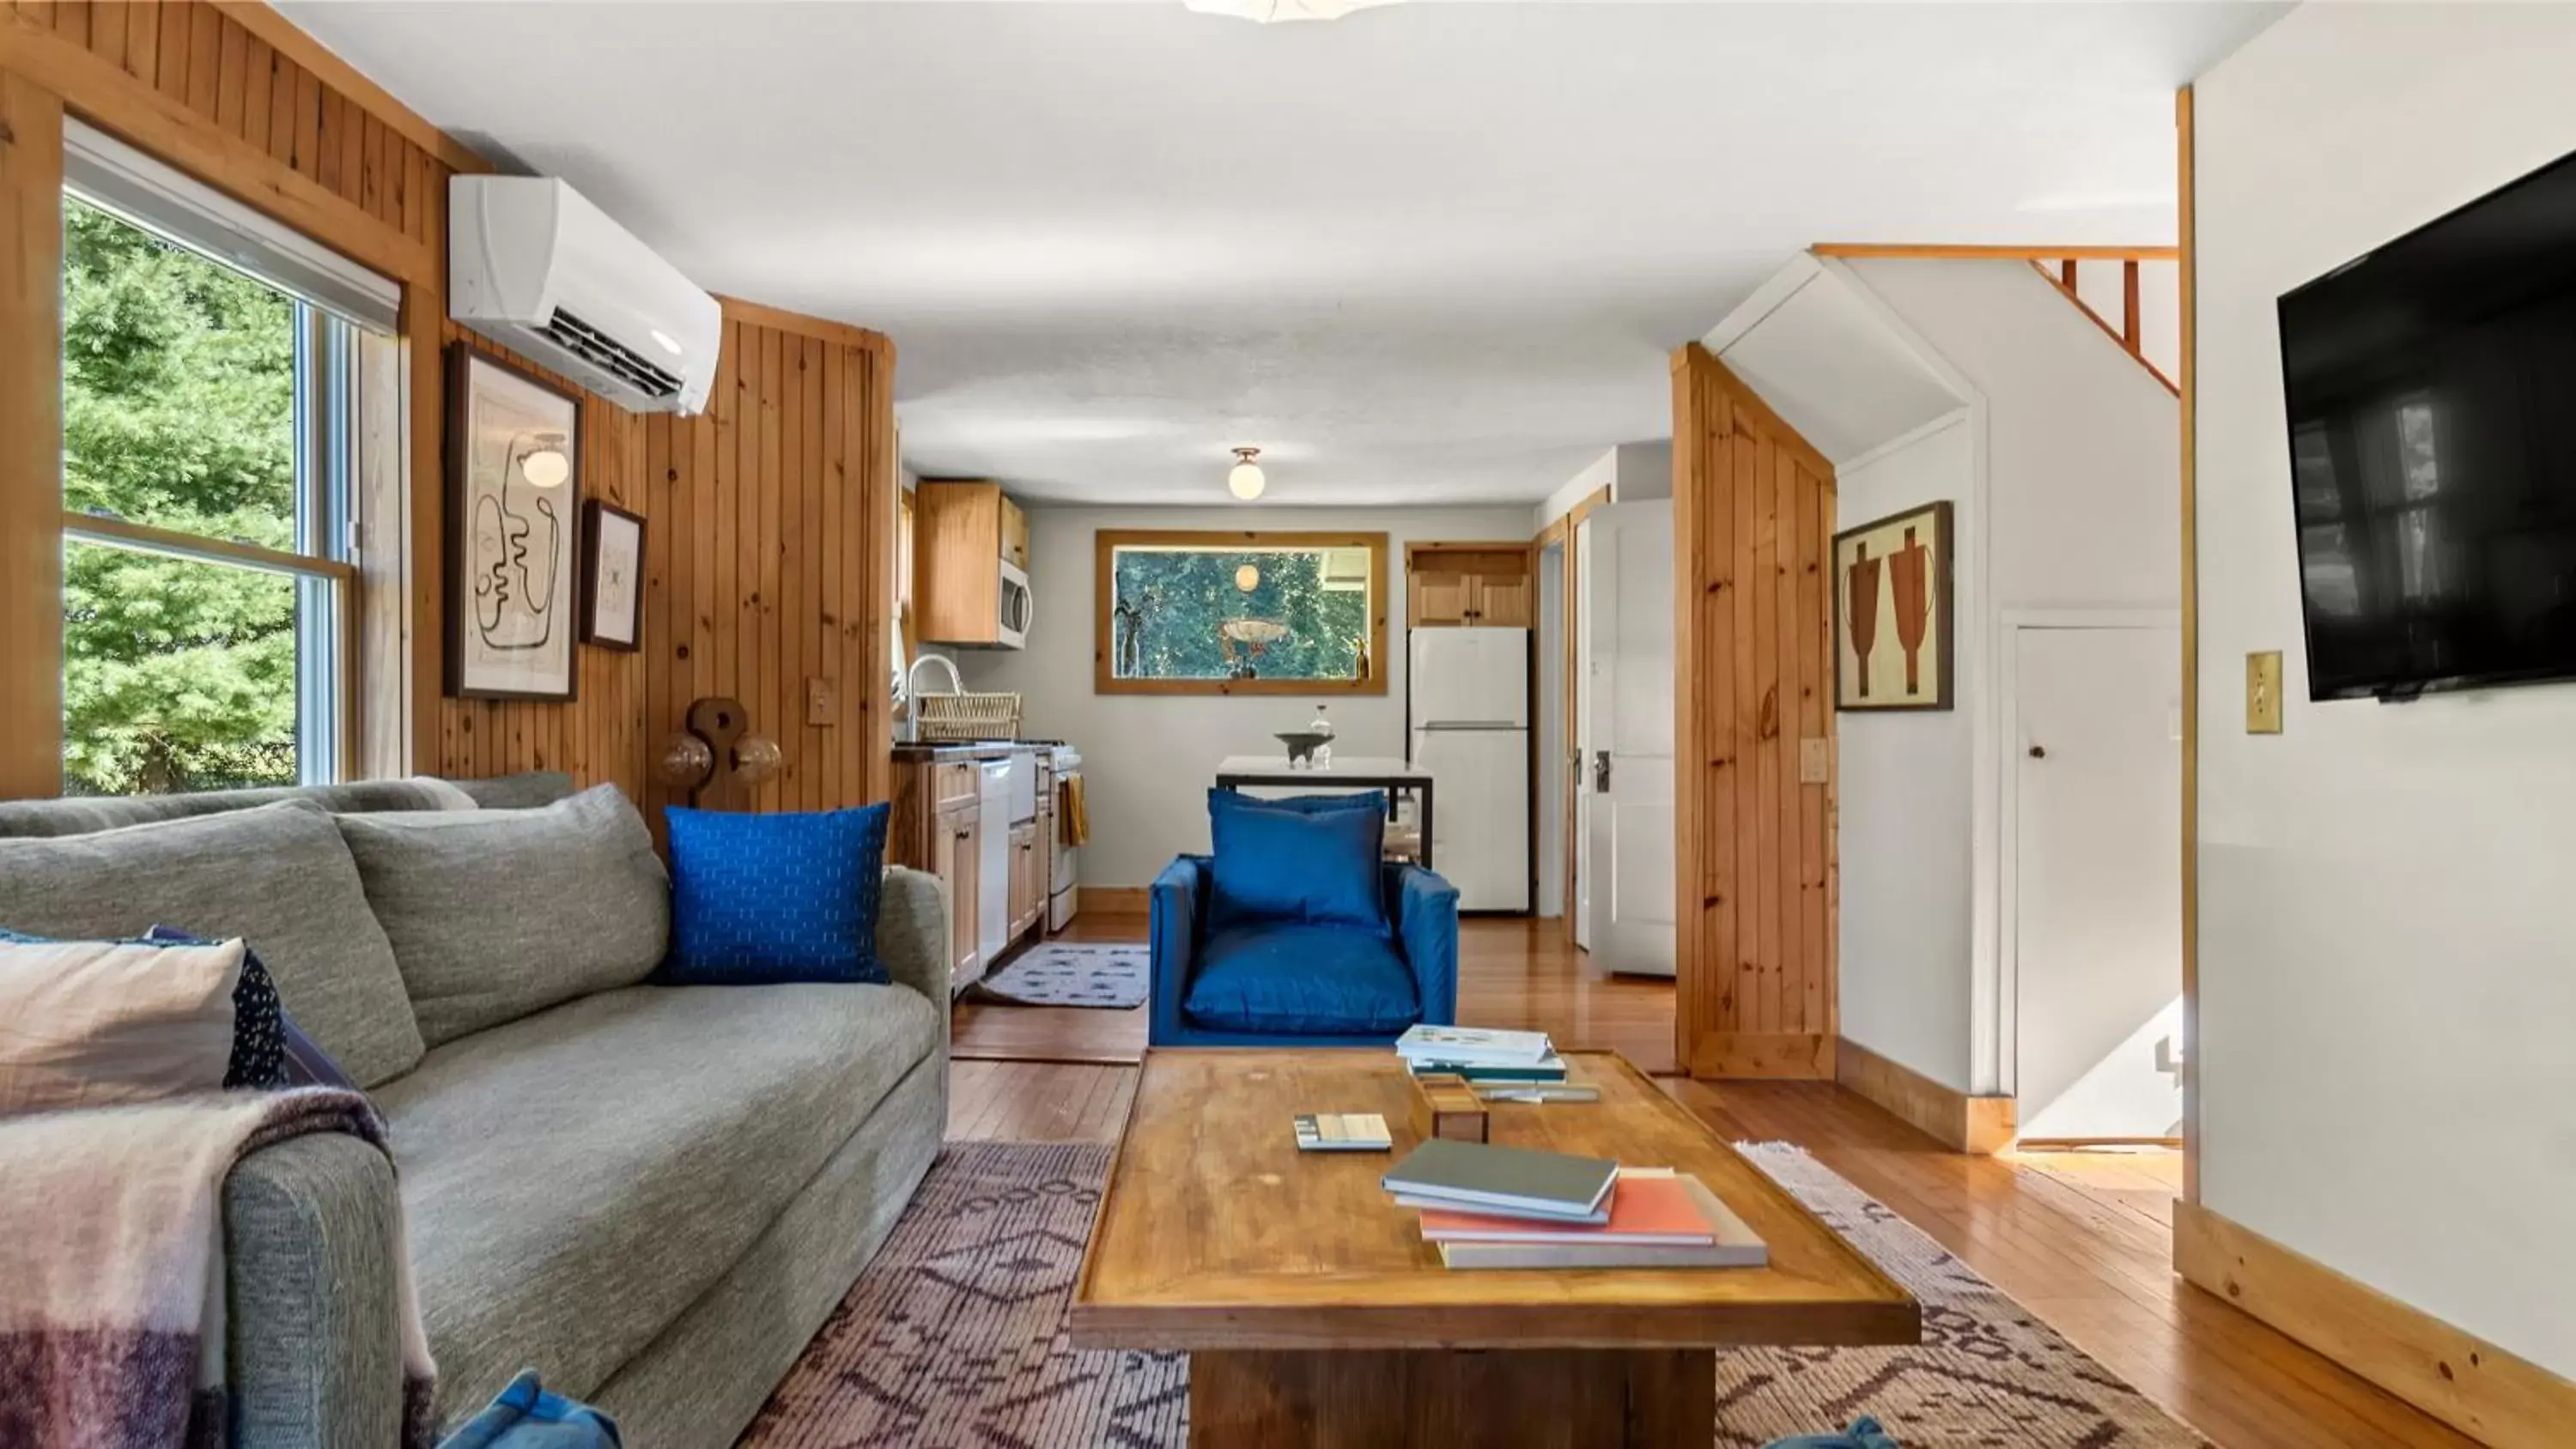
(97, 1023)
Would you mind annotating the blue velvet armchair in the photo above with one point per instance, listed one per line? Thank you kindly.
(1287, 984)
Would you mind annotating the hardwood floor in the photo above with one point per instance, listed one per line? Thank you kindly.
(2079, 1238)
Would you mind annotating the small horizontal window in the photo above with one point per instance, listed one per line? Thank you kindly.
(1240, 613)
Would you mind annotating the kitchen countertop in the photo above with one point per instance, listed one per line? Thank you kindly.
(924, 753)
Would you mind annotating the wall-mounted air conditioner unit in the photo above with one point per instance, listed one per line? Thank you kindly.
(534, 267)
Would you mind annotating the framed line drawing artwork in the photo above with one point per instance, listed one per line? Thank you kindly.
(1892, 612)
(612, 576)
(513, 495)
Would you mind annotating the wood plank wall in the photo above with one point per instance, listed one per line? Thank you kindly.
(1753, 521)
(791, 472)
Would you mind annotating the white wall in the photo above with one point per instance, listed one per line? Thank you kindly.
(2078, 515)
(1905, 803)
(2387, 1081)
(1147, 760)
(1631, 471)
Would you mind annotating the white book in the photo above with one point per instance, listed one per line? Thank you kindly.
(1474, 1045)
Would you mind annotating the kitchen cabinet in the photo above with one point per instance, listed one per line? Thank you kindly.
(1468, 585)
(964, 534)
(1028, 894)
(958, 853)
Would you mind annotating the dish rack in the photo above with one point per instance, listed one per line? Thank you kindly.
(951, 718)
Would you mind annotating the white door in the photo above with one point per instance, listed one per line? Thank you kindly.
(2097, 873)
(1579, 558)
(1474, 677)
(1628, 617)
(1479, 813)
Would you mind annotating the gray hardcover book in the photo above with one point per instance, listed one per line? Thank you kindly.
(1479, 1176)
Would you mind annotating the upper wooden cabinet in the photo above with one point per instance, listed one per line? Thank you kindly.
(963, 531)
(1468, 585)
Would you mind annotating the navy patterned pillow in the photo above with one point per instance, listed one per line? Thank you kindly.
(298, 1062)
(764, 899)
(259, 1023)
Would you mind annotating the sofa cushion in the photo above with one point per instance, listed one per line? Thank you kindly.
(276, 876)
(495, 914)
(765, 899)
(104, 1023)
(575, 1179)
(87, 814)
(1313, 861)
(1303, 980)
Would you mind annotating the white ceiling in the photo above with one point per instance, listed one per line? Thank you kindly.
(1428, 253)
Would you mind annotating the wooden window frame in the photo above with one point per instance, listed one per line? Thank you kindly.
(1105, 545)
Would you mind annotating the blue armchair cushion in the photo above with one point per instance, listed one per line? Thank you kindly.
(1307, 862)
(1302, 980)
(760, 900)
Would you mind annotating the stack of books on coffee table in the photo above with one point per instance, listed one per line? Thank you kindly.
(1481, 1054)
(1487, 1206)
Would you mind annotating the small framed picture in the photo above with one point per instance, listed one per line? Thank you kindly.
(1892, 612)
(513, 489)
(612, 576)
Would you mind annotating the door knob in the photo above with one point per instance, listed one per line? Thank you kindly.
(2039, 752)
(1600, 772)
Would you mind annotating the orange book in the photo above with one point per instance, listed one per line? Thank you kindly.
(1646, 1208)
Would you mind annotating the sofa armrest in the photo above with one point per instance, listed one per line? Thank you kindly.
(1426, 926)
(313, 1327)
(1175, 902)
(912, 936)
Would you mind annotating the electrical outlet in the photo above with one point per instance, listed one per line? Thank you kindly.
(822, 701)
(1815, 761)
(2263, 692)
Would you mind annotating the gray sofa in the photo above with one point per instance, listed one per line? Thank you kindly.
(652, 1195)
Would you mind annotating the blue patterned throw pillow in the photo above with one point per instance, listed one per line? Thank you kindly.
(761, 899)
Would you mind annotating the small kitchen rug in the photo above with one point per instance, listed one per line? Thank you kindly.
(1111, 978)
(954, 1336)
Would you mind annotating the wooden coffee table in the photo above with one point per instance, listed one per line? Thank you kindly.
(1316, 1315)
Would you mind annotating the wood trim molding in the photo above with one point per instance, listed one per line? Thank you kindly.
(327, 66)
(31, 440)
(2483, 1391)
(1113, 900)
(779, 319)
(1774, 1056)
(164, 126)
(1939, 251)
(1981, 1126)
(1106, 541)
(2190, 412)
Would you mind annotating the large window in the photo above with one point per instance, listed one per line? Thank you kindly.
(208, 439)
(1240, 613)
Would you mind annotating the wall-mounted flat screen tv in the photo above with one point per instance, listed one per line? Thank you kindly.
(2432, 411)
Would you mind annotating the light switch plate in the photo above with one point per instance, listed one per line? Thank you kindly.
(1815, 761)
(822, 701)
(2263, 692)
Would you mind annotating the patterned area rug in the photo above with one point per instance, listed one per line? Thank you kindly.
(1114, 978)
(953, 1337)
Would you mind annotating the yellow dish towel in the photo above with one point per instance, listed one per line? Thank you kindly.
(1073, 820)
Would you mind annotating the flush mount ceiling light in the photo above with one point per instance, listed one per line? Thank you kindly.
(1267, 12)
(1244, 480)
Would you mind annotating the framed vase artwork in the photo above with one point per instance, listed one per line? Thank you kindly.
(1892, 612)
(513, 511)
(612, 576)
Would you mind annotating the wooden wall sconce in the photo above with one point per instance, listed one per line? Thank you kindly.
(716, 759)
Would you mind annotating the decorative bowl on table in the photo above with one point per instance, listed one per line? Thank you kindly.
(1301, 747)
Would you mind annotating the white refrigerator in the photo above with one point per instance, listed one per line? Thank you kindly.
(1469, 703)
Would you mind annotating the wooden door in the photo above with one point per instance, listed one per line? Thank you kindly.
(961, 837)
(1753, 521)
(1024, 887)
(1500, 601)
(1440, 598)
